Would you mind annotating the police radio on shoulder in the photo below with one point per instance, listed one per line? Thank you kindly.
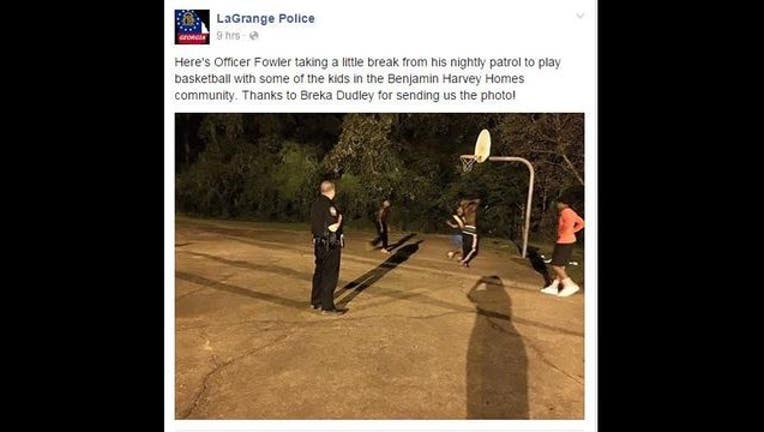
(265, 19)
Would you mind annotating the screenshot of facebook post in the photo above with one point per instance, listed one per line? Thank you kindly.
(380, 215)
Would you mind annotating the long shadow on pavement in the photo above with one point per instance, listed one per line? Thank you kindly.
(372, 276)
(497, 364)
(269, 268)
(400, 241)
(393, 295)
(221, 286)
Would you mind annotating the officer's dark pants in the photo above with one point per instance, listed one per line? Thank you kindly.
(325, 276)
(381, 235)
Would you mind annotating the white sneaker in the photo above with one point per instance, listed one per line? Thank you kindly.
(552, 288)
(568, 288)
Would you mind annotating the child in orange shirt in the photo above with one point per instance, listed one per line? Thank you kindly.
(569, 224)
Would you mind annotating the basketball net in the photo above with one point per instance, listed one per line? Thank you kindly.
(468, 161)
(482, 151)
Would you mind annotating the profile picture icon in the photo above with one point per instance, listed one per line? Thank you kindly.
(192, 26)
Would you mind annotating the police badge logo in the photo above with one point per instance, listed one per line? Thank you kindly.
(192, 26)
(333, 211)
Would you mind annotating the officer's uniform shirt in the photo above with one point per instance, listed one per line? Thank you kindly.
(324, 213)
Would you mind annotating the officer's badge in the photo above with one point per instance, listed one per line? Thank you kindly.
(333, 211)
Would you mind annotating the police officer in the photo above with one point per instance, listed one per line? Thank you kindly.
(326, 225)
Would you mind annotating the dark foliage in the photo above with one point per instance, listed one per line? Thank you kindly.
(268, 166)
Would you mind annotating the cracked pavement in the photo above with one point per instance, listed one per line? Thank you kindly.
(424, 339)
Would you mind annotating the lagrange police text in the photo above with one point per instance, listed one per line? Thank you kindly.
(291, 18)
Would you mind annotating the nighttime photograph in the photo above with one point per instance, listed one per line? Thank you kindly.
(382, 266)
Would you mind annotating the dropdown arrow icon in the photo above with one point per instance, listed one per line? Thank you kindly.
(580, 14)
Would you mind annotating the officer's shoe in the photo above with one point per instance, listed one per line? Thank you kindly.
(315, 307)
(334, 312)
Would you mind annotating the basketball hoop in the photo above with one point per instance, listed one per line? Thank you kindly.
(482, 151)
(482, 154)
(468, 161)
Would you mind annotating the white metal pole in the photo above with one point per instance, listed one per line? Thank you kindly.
(530, 194)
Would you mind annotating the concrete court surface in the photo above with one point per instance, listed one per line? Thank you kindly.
(424, 338)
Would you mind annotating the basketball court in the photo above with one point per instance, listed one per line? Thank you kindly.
(424, 338)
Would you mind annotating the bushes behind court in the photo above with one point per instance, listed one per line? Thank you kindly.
(267, 167)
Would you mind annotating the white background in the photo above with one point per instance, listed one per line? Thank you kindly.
(414, 28)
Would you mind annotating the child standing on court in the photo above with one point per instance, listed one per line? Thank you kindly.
(383, 214)
(568, 224)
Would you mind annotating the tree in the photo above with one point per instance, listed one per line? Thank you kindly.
(554, 144)
(268, 166)
(367, 150)
(365, 145)
(555, 140)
